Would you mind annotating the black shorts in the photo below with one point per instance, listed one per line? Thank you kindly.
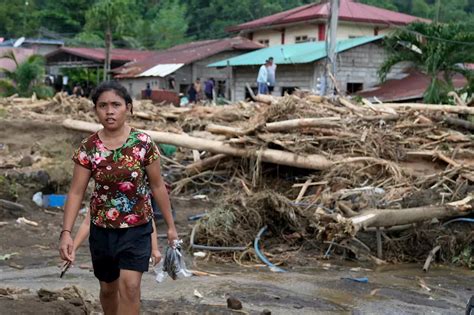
(116, 249)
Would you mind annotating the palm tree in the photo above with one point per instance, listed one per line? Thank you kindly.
(27, 77)
(108, 15)
(438, 50)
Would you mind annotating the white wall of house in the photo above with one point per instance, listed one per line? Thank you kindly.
(272, 35)
(310, 30)
(345, 30)
(351, 30)
(357, 66)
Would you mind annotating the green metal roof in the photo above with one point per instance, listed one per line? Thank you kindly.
(294, 53)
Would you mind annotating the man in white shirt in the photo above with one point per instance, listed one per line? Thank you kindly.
(262, 79)
(271, 75)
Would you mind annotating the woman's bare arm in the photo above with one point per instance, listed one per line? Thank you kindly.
(80, 179)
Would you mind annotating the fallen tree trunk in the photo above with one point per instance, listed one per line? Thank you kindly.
(392, 217)
(465, 124)
(312, 161)
(430, 107)
(205, 164)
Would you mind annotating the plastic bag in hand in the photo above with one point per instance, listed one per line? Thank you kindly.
(173, 263)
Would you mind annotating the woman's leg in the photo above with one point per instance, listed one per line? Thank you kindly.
(129, 289)
(109, 297)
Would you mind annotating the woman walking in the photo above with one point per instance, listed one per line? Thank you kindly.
(124, 164)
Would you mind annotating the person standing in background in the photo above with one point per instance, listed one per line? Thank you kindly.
(198, 88)
(271, 75)
(262, 78)
(209, 89)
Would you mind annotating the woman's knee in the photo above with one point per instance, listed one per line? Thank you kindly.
(130, 287)
(108, 289)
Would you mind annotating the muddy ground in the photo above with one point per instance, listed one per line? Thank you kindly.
(313, 287)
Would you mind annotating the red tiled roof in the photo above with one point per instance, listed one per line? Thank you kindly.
(98, 54)
(186, 53)
(349, 10)
(21, 54)
(413, 86)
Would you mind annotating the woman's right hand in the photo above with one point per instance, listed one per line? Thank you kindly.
(66, 247)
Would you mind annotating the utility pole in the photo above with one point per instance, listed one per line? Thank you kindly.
(330, 71)
(438, 7)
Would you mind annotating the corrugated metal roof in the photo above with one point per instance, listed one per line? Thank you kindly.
(43, 41)
(412, 86)
(186, 53)
(98, 54)
(349, 10)
(161, 70)
(294, 53)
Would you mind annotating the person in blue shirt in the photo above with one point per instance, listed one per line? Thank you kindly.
(262, 79)
(209, 89)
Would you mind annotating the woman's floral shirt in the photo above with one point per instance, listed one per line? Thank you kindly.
(121, 197)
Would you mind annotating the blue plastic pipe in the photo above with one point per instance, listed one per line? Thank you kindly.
(459, 220)
(261, 256)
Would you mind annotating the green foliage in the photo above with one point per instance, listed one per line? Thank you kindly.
(134, 23)
(437, 50)
(465, 257)
(86, 39)
(170, 25)
(84, 76)
(26, 78)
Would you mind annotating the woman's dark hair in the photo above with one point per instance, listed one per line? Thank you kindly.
(112, 86)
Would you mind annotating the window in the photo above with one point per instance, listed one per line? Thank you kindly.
(354, 87)
(265, 42)
(288, 90)
(355, 36)
(301, 39)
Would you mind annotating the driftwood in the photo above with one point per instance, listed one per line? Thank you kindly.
(430, 257)
(456, 122)
(225, 130)
(278, 126)
(312, 161)
(430, 107)
(392, 217)
(9, 205)
(205, 164)
(328, 122)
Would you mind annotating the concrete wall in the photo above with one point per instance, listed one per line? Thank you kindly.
(357, 65)
(310, 30)
(274, 36)
(298, 75)
(351, 30)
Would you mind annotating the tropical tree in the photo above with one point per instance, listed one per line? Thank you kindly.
(170, 25)
(108, 15)
(438, 50)
(26, 79)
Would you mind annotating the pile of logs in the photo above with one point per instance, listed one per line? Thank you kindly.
(400, 148)
(374, 165)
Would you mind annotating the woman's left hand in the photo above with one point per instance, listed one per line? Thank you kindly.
(155, 257)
